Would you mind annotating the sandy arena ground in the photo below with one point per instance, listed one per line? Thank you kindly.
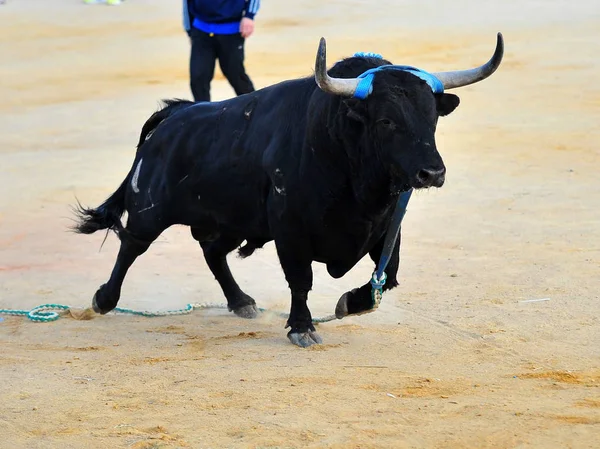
(452, 359)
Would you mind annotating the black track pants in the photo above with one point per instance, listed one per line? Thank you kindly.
(229, 50)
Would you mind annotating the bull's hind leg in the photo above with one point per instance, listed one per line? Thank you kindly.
(359, 300)
(107, 296)
(215, 254)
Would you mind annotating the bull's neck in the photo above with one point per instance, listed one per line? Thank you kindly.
(338, 151)
(370, 184)
(362, 178)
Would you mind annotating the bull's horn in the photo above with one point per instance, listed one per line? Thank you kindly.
(461, 78)
(335, 86)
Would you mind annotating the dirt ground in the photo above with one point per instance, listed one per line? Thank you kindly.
(453, 358)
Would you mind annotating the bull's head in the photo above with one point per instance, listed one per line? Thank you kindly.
(397, 108)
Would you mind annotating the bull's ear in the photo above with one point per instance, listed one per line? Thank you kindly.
(446, 103)
(355, 110)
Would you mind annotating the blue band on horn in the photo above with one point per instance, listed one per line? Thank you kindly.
(365, 85)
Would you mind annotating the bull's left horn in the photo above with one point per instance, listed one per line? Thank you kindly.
(460, 78)
(335, 86)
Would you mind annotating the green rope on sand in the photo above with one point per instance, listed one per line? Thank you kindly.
(52, 312)
(40, 314)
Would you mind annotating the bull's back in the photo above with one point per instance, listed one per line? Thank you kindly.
(209, 161)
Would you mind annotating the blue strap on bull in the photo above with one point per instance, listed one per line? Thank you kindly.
(365, 86)
(379, 276)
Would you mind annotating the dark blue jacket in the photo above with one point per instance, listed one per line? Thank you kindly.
(217, 16)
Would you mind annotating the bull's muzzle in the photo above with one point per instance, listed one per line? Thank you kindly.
(430, 177)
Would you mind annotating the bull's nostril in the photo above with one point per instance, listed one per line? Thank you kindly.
(424, 175)
(428, 177)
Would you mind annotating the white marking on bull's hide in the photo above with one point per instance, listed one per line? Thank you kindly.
(149, 134)
(136, 175)
(427, 144)
(152, 206)
(198, 196)
(279, 175)
(183, 179)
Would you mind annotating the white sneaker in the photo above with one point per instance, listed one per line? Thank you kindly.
(114, 2)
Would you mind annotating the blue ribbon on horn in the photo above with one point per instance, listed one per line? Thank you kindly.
(365, 86)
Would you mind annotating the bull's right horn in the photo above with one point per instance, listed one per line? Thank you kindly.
(335, 86)
(460, 78)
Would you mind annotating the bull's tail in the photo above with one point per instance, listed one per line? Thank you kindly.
(108, 214)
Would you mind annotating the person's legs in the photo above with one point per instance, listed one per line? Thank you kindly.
(202, 64)
(230, 51)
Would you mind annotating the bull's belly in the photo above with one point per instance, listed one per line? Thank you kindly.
(217, 214)
(342, 253)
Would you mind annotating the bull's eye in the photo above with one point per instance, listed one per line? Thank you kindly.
(385, 122)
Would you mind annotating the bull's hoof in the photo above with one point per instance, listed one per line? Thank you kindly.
(355, 302)
(250, 311)
(98, 298)
(305, 339)
(242, 305)
(341, 309)
(95, 304)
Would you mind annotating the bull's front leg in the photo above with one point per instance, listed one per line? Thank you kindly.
(296, 263)
(359, 300)
(302, 332)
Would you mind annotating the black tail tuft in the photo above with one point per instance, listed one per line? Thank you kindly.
(106, 216)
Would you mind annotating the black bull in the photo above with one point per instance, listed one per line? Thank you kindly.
(301, 162)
